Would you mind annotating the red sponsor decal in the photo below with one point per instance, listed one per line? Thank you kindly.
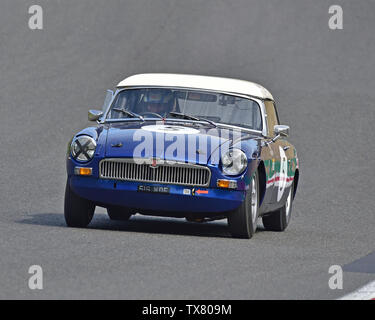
(201, 191)
(278, 179)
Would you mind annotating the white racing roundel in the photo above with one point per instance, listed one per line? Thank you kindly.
(170, 129)
(283, 175)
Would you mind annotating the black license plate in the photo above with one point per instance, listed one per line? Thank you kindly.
(153, 189)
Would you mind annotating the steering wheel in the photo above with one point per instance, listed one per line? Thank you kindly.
(151, 113)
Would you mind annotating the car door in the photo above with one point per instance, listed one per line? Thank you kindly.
(278, 161)
(289, 167)
(269, 156)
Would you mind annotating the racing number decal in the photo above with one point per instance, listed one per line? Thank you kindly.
(283, 173)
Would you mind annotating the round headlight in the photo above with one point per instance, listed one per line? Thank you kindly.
(83, 148)
(234, 162)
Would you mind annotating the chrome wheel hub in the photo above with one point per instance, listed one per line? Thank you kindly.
(254, 201)
(288, 203)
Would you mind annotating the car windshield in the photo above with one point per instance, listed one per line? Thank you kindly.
(157, 103)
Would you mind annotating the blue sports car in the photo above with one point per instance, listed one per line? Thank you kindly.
(195, 147)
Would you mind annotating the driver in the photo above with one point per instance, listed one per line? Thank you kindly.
(159, 101)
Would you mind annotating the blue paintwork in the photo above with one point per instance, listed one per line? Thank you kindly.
(106, 192)
(125, 194)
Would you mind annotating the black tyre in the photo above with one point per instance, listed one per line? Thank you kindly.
(118, 213)
(243, 221)
(278, 220)
(78, 212)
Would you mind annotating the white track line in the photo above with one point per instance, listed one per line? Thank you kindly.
(366, 292)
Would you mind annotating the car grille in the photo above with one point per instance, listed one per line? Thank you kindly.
(155, 171)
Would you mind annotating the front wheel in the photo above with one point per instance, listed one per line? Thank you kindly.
(78, 212)
(243, 221)
(278, 220)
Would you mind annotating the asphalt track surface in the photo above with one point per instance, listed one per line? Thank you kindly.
(323, 82)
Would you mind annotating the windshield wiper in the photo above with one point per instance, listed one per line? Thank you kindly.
(130, 114)
(188, 117)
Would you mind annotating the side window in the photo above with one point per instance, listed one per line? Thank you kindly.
(272, 117)
(107, 100)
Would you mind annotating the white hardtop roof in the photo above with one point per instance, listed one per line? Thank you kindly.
(197, 82)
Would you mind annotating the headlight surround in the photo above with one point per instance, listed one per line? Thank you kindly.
(234, 162)
(83, 148)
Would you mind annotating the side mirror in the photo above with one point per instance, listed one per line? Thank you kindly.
(281, 130)
(94, 115)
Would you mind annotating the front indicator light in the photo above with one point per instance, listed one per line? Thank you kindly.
(229, 184)
(83, 171)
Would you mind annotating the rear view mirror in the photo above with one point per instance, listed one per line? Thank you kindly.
(94, 115)
(281, 130)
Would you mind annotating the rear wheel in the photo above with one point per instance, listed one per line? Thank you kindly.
(78, 212)
(243, 221)
(278, 220)
(118, 213)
